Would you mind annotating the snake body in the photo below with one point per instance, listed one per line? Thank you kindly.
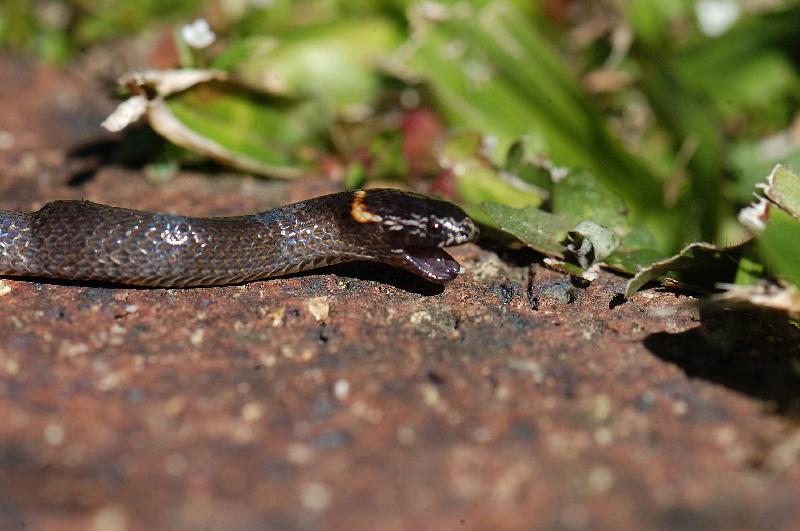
(84, 241)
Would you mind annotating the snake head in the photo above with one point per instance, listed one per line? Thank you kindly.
(414, 228)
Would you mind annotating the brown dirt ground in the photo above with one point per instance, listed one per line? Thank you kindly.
(359, 397)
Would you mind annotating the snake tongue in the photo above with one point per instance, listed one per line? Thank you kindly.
(432, 263)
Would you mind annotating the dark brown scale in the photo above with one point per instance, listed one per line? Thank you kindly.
(80, 240)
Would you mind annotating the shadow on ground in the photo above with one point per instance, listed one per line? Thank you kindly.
(383, 274)
(133, 148)
(754, 354)
(358, 270)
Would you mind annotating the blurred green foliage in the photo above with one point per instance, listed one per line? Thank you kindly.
(56, 30)
(650, 118)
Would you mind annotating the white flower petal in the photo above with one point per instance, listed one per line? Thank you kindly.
(715, 17)
(198, 34)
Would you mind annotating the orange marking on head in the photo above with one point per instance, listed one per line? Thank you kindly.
(359, 210)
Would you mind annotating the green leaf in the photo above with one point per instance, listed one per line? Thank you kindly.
(257, 133)
(527, 159)
(539, 229)
(333, 62)
(652, 19)
(690, 121)
(776, 251)
(568, 268)
(205, 112)
(636, 251)
(598, 228)
(580, 196)
(750, 270)
(779, 244)
(752, 159)
(631, 261)
(490, 70)
(746, 69)
(783, 188)
(354, 176)
(590, 242)
(698, 266)
(478, 180)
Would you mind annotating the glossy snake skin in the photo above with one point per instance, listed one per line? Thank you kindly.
(84, 241)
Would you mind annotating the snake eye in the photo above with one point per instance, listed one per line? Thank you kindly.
(433, 226)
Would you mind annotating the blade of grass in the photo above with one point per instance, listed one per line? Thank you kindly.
(524, 88)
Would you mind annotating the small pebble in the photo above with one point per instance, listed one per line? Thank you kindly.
(252, 412)
(12, 366)
(54, 434)
(601, 479)
(319, 308)
(109, 518)
(680, 407)
(196, 337)
(341, 389)
(299, 454)
(6, 140)
(316, 497)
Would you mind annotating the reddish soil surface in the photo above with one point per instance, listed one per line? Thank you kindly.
(358, 397)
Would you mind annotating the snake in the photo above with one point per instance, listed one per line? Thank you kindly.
(79, 240)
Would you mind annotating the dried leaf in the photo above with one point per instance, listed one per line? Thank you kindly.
(762, 296)
(209, 113)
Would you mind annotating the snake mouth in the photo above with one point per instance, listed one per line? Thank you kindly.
(432, 263)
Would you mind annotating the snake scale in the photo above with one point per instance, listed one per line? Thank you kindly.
(85, 241)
